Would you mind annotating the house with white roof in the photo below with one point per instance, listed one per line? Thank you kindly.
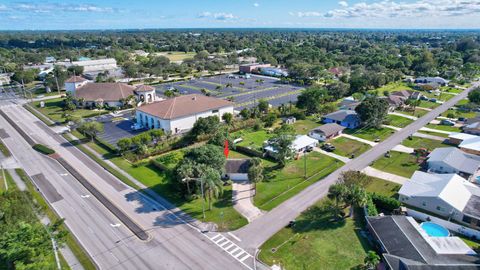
(471, 146)
(300, 144)
(453, 160)
(446, 195)
(458, 138)
(438, 80)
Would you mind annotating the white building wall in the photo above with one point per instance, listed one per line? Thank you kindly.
(70, 87)
(430, 204)
(238, 176)
(317, 136)
(441, 167)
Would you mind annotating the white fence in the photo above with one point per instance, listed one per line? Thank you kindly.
(447, 224)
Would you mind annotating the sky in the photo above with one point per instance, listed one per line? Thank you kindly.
(142, 14)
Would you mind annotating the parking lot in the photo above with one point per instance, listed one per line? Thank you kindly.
(245, 92)
(116, 126)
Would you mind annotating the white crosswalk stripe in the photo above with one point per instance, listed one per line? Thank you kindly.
(231, 248)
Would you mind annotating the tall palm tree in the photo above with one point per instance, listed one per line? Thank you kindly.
(212, 185)
(357, 197)
(337, 192)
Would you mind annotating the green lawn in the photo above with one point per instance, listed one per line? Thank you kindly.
(416, 142)
(428, 104)
(252, 139)
(8, 181)
(222, 212)
(451, 90)
(4, 149)
(392, 87)
(178, 56)
(53, 109)
(347, 147)
(458, 113)
(434, 133)
(399, 163)
(416, 113)
(370, 134)
(283, 184)
(443, 127)
(398, 121)
(304, 126)
(319, 242)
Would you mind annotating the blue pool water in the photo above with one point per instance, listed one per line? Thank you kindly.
(478, 179)
(434, 230)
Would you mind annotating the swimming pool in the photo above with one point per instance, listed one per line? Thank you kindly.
(434, 230)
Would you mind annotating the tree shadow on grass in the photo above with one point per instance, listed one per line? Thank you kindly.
(318, 218)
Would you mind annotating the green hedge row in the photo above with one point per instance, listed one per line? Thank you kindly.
(384, 202)
(371, 208)
(43, 149)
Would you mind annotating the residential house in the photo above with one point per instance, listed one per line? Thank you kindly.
(406, 245)
(348, 103)
(394, 102)
(472, 127)
(300, 144)
(346, 118)
(111, 94)
(429, 80)
(447, 160)
(180, 113)
(458, 138)
(289, 120)
(446, 195)
(471, 146)
(407, 94)
(237, 169)
(326, 132)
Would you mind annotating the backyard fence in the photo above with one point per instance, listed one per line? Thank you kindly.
(447, 224)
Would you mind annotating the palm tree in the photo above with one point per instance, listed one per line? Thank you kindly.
(371, 260)
(212, 185)
(337, 192)
(357, 197)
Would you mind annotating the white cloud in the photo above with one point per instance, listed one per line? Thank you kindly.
(256, 4)
(61, 7)
(388, 8)
(221, 16)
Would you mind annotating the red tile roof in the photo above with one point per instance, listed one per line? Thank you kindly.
(75, 79)
(144, 88)
(184, 106)
(105, 91)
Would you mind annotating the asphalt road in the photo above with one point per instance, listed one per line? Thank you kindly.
(260, 230)
(172, 245)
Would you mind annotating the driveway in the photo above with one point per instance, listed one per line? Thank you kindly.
(242, 195)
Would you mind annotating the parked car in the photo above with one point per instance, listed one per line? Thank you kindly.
(423, 98)
(446, 122)
(328, 147)
(309, 149)
(461, 119)
(433, 100)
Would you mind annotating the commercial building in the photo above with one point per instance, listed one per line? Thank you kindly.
(111, 94)
(252, 68)
(179, 114)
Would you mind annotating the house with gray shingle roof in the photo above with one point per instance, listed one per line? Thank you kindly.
(453, 160)
(346, 118)
(326, 132)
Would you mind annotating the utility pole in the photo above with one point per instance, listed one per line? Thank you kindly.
(201, 187)
(305, 165)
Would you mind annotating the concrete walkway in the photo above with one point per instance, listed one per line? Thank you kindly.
(425, 109)
(403, 149)
(384, 175)
(330, 154)
(420, 135)
(436, 130)
(404, 115)
(242, 194)
(9, 163)
(18, 181)
(359, 139)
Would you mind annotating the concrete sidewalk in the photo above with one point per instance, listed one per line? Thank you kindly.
(242, 194)
(384, 175)
(359, 139)
(397, 148)
(330, 154)
(403, 115)
(436, 130)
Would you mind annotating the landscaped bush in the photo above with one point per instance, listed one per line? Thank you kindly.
(384, 202)
(43, 149)
(371, 208)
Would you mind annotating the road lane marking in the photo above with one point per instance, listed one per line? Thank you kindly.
(115, 225)
(234, 237)
(85, 196)
(227, 245)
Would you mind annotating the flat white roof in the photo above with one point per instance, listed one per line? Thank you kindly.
(472, 143)
(461, 136)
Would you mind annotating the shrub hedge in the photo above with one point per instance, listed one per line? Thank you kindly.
(43, 149)
(385, 202)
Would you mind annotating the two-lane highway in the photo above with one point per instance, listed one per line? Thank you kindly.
(173, 244)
